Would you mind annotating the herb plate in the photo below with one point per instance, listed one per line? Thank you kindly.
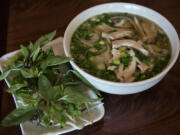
(29, 128)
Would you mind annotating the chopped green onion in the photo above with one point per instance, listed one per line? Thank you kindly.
(116, 62)
(91, 58)
(123, 54)
(101, 42)
(97, 20)
(123, 48)
(143, 77)
(109, 20)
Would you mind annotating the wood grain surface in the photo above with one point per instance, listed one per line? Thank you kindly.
(153, 112)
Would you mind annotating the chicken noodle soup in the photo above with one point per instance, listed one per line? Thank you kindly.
(120, 47)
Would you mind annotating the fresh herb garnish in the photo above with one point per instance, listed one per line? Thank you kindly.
(45, 84)
(126, 60)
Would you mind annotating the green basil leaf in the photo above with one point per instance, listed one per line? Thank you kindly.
(74, 109)
(58, 115)
(45, 87)
(44, 39)
(16, 87)
(27, 72)
(46, 90)
(49, 52)
(25, 52)
(40, 57)
(54, 113)
(36, 72)
(71, 83)
(57, 92)
(45, 119)
(54, 60)
(30, 47)
(75, 96)
(27, 98)
(35, 53)
(5, 74)
(57, 101)
(85, 81)
(19, 115)
(63, 68)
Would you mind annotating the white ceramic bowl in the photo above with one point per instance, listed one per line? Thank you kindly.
(115, 87)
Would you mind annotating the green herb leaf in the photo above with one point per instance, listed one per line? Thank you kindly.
(25, 52)
(40, 57)
(54, 113)
(74, 109)
(27, 72)
(58, 117)
(15, 87)
(32, 83)
(126, 60)
(44, 39)
(85, 81)
(45, 87)
(72, 83)
(19, 115)
(45, 119)
(63, 68)
(26, 98)
(35, 53)
(141, 56)
(5, 74)
(46, 90)
(30, 47)
(39, 43)
(54, 60)
(75, 96)
(57, 91)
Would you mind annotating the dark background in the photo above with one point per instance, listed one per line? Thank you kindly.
(153, 112)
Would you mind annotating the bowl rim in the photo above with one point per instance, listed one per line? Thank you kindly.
(165, 70)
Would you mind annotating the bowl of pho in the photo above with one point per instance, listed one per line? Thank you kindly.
(121, 48)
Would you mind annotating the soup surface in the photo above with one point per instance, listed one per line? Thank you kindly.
(120, 47)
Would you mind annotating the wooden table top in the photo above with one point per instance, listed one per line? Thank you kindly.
(153, 112)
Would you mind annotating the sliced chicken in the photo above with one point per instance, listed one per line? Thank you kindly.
(143, 67)
(121, 33)
(115, 53)
(124, 22)
(93, 50)
(94, 37)
(104, 57)
(107, 55)
(127, 74)
(150, 31)
(131, 79)
(101, 66)
(112, 68)
(139, 29)
(132, 53)
(86, 42)
(104, 28)
(98, 59)
(119, 72)
(129, 43)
